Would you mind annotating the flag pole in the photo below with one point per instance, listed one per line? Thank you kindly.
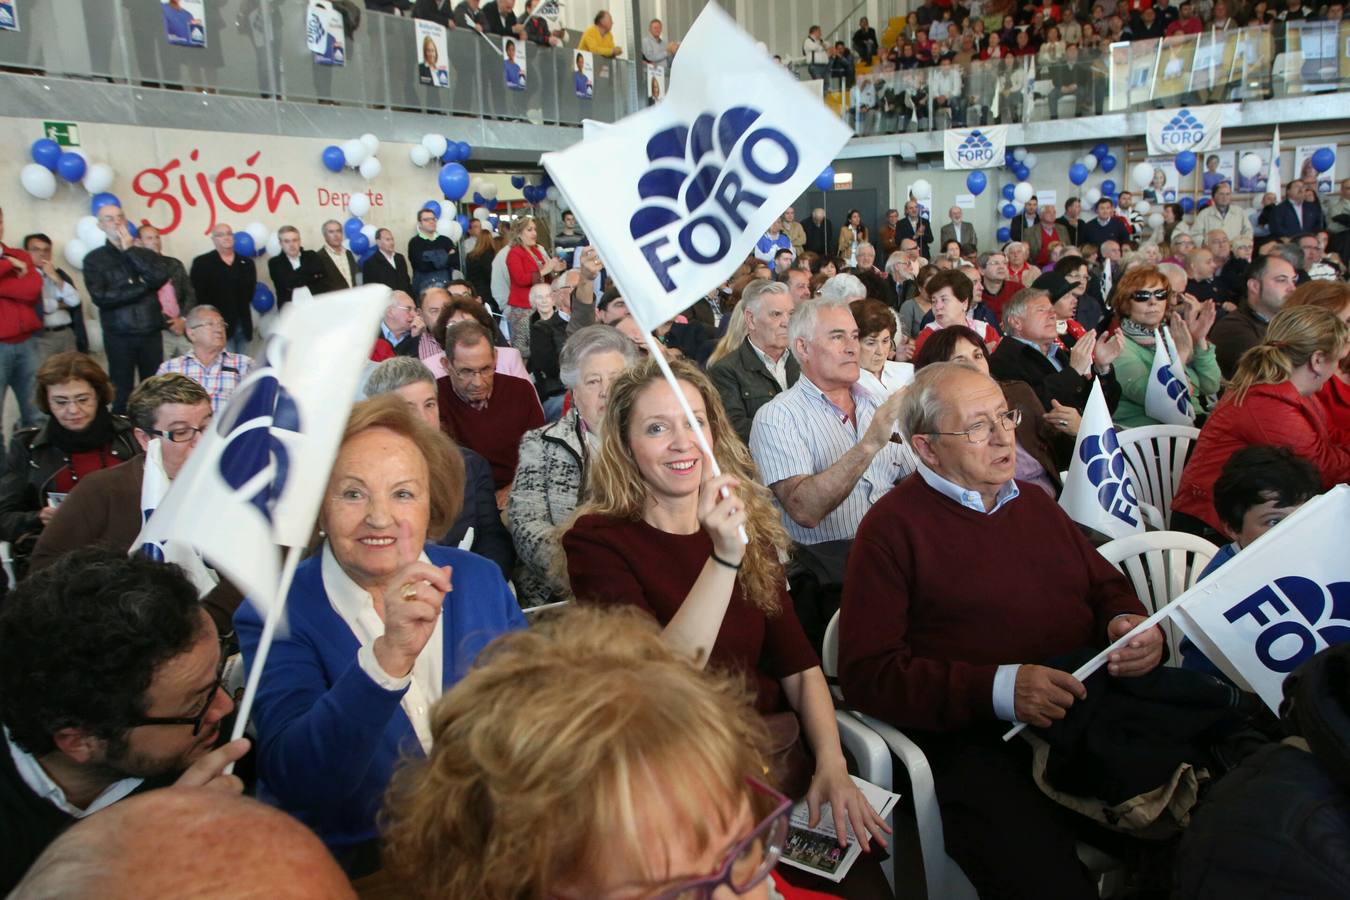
(264, 644)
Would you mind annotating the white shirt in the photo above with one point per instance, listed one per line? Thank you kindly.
(340, 260)
(294, 261)
(357, 609)
(56, 295)
(894, 376)
(777, 369)
(40, 783)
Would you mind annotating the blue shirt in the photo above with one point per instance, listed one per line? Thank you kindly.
(581, 84)
(178, 26)
(514, 77)
(1050, 354)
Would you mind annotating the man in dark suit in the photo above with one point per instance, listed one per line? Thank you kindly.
(820, 233)
(499, 17)
(438, 11)
(920, 230)
(1106, 227)
(295, 268)
(225, 280)
(385, 266)
(337, 263)
(1019, 226)
(1299, 212)
(761, 368)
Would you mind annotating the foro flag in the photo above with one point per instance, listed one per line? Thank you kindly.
(675, 197)
(1098, 493)
(1167, 397)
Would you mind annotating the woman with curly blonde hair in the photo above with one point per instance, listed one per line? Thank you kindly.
(659, 533)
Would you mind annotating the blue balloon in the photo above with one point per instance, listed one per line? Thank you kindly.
(1004, 235)
(133, 229)
(1108, 162)
(1187, 204)
(370, 251)
(517, 181)
(1185, 162)
(1100, 151)
(360, 243)
(1009, 191)
(1009, 211)
(491, 205)
(533, 193)
(71, 166)
(434, 206)
(334, 158)
(46, 152)
(1323, 158)
(976, 182)
(825, 180)
(1204, 201)
(1078, 173)
(478, 199)
(243, 244)
(463, 221)
(98, 201)
(1108, 187)
(493, 220)
(463, 151)
(352, 227)
(263, 298)
(454, 180)
(1021, 171)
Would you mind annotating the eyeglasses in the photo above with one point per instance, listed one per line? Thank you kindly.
(981, 431)
(1163, 294)
(183, 434)
(214, 326)
(199, 718)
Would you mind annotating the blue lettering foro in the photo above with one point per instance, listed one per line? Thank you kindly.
(659, 265)
(792, 157)
(719, 230)
(1307, 646)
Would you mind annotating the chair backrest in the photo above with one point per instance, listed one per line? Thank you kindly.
(829, 657)
(1162, 565)
(1156, 455)
(536, 612)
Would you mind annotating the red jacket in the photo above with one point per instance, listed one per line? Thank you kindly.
(381, 351)
(524, 268)
(1335, 399)
(1269, 414)
(20, 297)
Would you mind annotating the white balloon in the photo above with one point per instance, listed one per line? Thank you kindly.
(75, 252)
(921, 189)
(1090, 161)
(1023, 192)
(358, 205)
(1142, 207)
(369, 232)
(476, 186)
(455, 231)
(1030, 161)
(1020, 154)
(420, 155)
(274, 244)
(1142, 174)
(481, 214)
(1155, 221)
(443, 225)
(371, 168)
(257, 231)
(87, 230)
(38, 181)
(554, 195)
(435, 144)
(371, 142)
(98, 178)
(356, 153)
(1092, 196)
(488, 190)
(1249, 166)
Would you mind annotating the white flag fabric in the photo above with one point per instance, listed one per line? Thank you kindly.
(256, 479)
(1098, 493)
(1196, 129)
(1275, 183)
(974, 148)
(155, 486)
(1279, 601)
(675, 197)
(1167, 397)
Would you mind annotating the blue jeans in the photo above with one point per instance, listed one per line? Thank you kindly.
(18, 371)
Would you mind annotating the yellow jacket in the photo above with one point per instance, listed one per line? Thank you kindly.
(593, 42)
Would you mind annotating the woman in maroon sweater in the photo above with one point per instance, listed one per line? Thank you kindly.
(659, 534)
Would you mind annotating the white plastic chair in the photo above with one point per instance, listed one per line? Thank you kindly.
(1156, 455)
(1162, 565)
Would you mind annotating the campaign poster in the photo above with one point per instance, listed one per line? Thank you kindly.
(1325, 181)
(655, 78)
(1256, 183)
(1166, 184)
(325, 34)
(513, 63)
(184, 22)
(432, 65)
(1217, 167)
(583, 75)
(9, 16)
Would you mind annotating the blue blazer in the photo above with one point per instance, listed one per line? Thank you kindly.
(329, 737)
(1284, 223)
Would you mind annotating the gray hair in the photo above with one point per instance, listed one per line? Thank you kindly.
(397, 372)
(843, 287)
(805, 318)
(194, 316)
(1017, 304)
(1290, 253)
(753, 294)
(1171, 271)
(923, 406)
(587, 342)
(861, 244)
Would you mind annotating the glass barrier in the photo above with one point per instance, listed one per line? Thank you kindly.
(258, 48)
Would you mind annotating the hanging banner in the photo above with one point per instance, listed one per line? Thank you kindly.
(513, 63)
(9, 16)
(583, 76)
(974, 148)
(431, 53)
(1172, 130)
(655, 79)
(184, 22)
(325, 35)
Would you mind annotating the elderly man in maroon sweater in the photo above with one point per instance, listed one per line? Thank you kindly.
(481, 408)
(959, 583)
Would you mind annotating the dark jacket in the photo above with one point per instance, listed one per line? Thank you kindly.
(1234, 334)
(819, 238)
(922, 234)
(438, 11)
(182, 284)
(547, 337)
(229, 288)
(1284, 222)
(464, 17)
(287, 280)
(490, 537)
(124, 285)
(333, 280)
(377, 270)
(433, 261)
(1013, 360)
(1094, 232)
(1072, 229)
(496, 23)
(746, 385)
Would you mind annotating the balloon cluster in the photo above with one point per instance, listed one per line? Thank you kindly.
(1019, 162)
(358, 154)
(541, 192)
(49, 161)
(438, 146)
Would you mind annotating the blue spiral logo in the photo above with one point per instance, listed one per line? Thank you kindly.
(1177, 392)
(1293, 612)
(255, 461)
(1183, 130)
(1106, 470)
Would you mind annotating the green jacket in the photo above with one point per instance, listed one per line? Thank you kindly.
(1132, 368)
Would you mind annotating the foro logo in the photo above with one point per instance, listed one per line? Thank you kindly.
(1106, 470)
(704, 180)
(1293, 612)
(255, 461)
(1177, 392)
(1183, 131)
(976, 148)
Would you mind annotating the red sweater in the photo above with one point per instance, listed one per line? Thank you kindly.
(20, 297)
(524, 266)
(938, 596)
(613, 561)
(1335, 399)
(1269, 414)
(495, 432)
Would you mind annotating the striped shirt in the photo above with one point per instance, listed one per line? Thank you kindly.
(219, 379)
(802, 432)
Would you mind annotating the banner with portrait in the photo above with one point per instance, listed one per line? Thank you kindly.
(432, 58)
(9, 15)
(583, 74)
(325, 34)
(1303, 167)
(513, 63)
(654, 78)
(184, 22)
(1175, 59)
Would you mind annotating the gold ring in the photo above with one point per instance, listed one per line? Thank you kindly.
(409, 591)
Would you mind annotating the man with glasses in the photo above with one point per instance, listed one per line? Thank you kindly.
(209, 363)
(959, 583)
(401, 329)
(1221, 215)
(433, 256)
(110, 685)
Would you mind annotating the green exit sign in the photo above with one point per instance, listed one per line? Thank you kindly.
(67, 134)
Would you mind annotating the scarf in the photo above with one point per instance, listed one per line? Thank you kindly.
(154, 486)
(98, 433)
(1142, 336)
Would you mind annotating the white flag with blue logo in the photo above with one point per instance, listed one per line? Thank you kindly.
(1168, 397)
(1190, 128)
(675, 197)
(1098, 492)
(1279, 601)
(255, 481)
(974, 148)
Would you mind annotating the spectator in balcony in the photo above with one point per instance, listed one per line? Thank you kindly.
(865, 43)
(841, 65)
(536, 27)
(295, 268)
(1069, 77)
(1219, 19)
(816, 52)
(392, 7)
(469, 14)
(656, 50)
(176, 297)
(599, 38)
(1295, 11)
(499, 18)
(209, 364)
(437, 11)
(1187, 22)
(433, 256)
(994, 47)
(62, 320)
(946, 88)
(385, 266)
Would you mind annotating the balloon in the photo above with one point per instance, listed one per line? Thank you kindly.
(1008, 190)
(1108, 162)
(1020, 154)
(98, 201)
(1142, 207)
(333, 158)
(263, 298)
(444, 225)
(99, 178)
(46, 153)
(1003, 234)
(489, 190)
(133, 229)
(434, 206)
(1108, 187)
(1100, 151)
(1030, 161)
(75, 250)
(1185, 162)
(435, 144)
(492, 221)
(825, 180)
(517, 181)
(976, 182)
(38, 180)
(463, 221)
(1323, 158)
(1155, 221)
(71, 166)
(1009, 211)
(479, 199)
(1090, 162)
(370, 168)
(921, 190)
(274, 244)
(369, 232)
(1187, 204)
(358, 205)
(481, 214)
(553, 194)
(1021, 172)
(1078, 173)
(454, 231)
(1142, 174)
(360, 243)
(243, 244)
(371, 143)
(454, 180)
(419, 155)
(463, 151)
(1249, 166)
(1023, 192)
(355, 152)
(352, 227)
(1092, 196)
(257, 231)
(492, 205)
(87, 231)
